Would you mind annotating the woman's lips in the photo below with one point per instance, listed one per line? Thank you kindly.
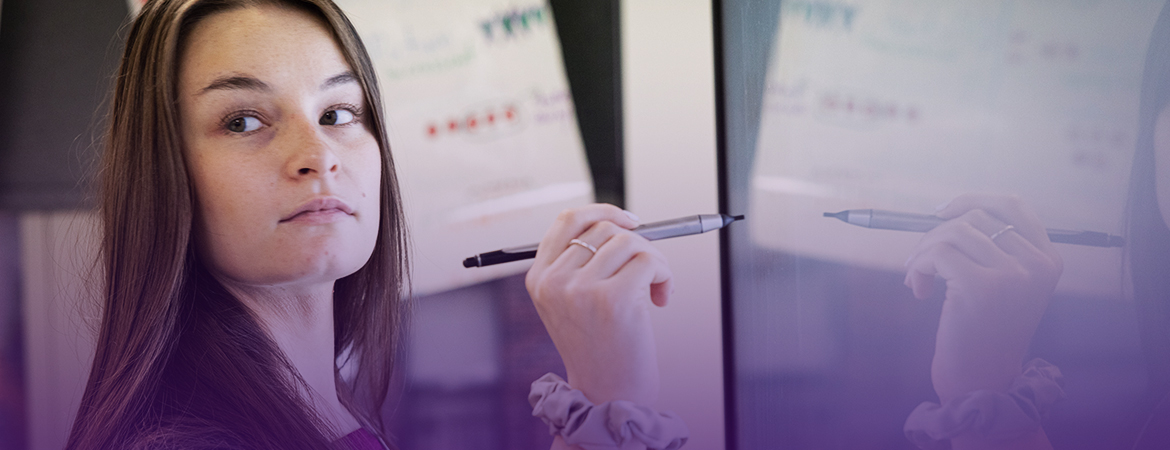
(319, 210)
(317, 217)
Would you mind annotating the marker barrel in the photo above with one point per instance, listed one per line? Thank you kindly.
(900, 221)
(683, 226)
(890, 220)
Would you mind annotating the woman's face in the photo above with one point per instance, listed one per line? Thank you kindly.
(286, 173)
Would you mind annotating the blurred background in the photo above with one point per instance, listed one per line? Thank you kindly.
(788, 331)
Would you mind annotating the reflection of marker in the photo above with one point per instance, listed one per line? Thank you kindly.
(900, 221)
(665, 229)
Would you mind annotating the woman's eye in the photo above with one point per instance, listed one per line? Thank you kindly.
(243, 124)
(336, 117)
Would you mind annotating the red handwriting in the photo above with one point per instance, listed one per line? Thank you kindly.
(483, 121)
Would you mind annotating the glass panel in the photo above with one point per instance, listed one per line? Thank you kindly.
(902, 105)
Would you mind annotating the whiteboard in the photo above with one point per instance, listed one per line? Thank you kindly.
(904, 104)
(481, 124)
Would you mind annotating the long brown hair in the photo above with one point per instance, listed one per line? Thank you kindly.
(180, 362)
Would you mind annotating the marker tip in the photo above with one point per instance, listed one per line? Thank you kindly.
(843, 215)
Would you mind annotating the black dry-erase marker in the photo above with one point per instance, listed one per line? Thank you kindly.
(665, 229)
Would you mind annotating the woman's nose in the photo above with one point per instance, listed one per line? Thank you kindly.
(312, 154)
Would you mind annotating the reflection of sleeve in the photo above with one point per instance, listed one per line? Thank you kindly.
(616, 424)
(994, 415)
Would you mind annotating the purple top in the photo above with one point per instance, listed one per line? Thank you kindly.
(360, 439)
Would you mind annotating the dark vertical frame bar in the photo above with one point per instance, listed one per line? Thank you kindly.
(744, 32)
(57, 61)
(730, 411)
(590, 37)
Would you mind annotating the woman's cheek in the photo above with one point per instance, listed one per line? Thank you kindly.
(229, 243)
(236, 212)
(371, 188)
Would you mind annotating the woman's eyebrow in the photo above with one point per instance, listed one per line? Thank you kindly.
(339, 79)
(236, 82)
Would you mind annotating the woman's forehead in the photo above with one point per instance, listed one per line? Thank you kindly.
(281, 47)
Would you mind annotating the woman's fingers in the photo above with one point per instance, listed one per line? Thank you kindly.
(572, 223)
(1027, 239)
(577, 255)
(645, 267)
(625, 260)
(556, 243)
(943, 260)
(1045, 263)
(1008, 209)
(965, 238)
(970, 234)
(619, 252)
(618, 247)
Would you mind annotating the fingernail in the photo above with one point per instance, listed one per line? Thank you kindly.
(632, 216)
(942, 206)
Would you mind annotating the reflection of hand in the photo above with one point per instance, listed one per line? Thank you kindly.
(997, 290)
(595, 306)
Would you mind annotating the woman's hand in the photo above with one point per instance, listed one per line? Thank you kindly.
(997, 289)
(595, 306)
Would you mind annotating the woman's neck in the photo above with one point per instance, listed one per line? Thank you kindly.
(300, 322)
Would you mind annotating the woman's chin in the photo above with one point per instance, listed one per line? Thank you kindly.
(322, 270)
(304, 269)
(308, 257)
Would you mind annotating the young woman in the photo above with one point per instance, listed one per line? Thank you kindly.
(999, 279)
(253, 247)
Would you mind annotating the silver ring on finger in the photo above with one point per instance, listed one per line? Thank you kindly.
(585, 245)
(1004, 230)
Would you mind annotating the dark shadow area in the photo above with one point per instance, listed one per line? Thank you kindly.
(488, 415)
(58, 59)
